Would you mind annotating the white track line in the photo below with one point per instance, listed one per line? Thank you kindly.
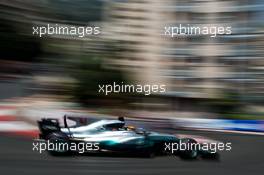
(13, 126)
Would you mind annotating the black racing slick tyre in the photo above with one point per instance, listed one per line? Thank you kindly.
(190, 153)
(58, 144)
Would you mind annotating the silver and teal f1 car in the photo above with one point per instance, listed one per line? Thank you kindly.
(114, 137)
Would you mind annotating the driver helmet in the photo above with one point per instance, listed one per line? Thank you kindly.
(132, 128)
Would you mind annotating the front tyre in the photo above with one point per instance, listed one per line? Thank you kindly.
(190, 153)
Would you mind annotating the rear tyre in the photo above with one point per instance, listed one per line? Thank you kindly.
(191, 153)
(58, 144)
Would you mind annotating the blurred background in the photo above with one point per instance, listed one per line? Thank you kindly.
(205, 77)
(214, 84)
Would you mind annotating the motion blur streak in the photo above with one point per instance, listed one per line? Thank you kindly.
(212, 83)
(244, 159)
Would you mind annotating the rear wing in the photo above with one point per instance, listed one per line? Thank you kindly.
(47, 126)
